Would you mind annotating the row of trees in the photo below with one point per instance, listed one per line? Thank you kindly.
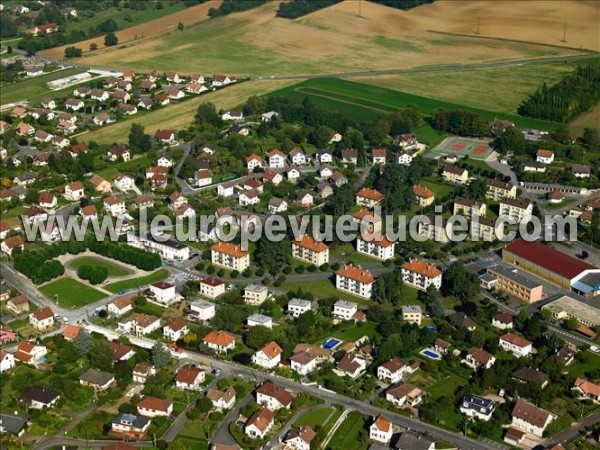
(576, 93)
(231, 6)
(40, 265)
(125, 253)
(299, 8)
(462, 123)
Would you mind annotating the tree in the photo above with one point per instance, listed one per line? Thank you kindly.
(591, 138)
(305, 323)
(93, 46)
(111, 39)
(206, 114)
(180, 26)
(83, 342)
(204, 405)
(72, 52)
(272, 254)
(138, 139)
(161, 356)
(512, 139)
(101, 355)
(460, 283)
(257, 337)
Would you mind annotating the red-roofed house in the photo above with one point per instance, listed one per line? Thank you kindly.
(220, 341)
(190, 377)
(517, 345)
(42, 319)
(175, 329)
(381, 430)
(269, 356)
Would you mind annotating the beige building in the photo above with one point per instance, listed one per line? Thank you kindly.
(516, 208)
(423, 196)
(467, 207)
(497, 190)
(255, 294)
(455, 174)
(230, 256)
(310, 251)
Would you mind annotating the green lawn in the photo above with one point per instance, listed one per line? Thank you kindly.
(585, 363)
(439, 189)
(355, 332)
(346, 436)
(70, 293)
(33, 89)
(364, 102)
(133, 283)
(322, 289)
(132, 167)
(445, 386)
(124, 17)
(313, 418)
(113, 270)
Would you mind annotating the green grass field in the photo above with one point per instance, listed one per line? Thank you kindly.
(132, 167)
(313, 418)
(322, 289)
(70, 293)
(113, 270)
(346, 436)
(365, 102)
(133, 283)
(34, 89)
(124, 17)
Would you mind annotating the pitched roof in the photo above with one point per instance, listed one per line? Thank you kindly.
(188, 374)
(422, 268)
(394, 364)
(220, 338)
(96, 377)
(122, 302)
(70, 331)
(177, 324)
(515, 340)
(371, 194)
(272, 349)
(308, 242)
(43, 313)
(348, 363)
(39, 394)
(529, 413)
(356, 273)
(305, 433)
(422, 191)
(382, 424)
(529, 375)
(229, 249)
(503, 318)
(260, 419)
(480, 355)
(154, 403)
(119, 350)
(451, 168)
(14, 241)
(272, 390)
(402, 390)
(587, 387)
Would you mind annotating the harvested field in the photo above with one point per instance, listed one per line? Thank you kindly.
(335, 39)
(499, 89)
(180, 115)
(590, 119)
(143, 31)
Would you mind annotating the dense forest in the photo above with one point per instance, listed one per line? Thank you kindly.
(576, 93)
(462, 123)
(402, 4)
(299, 8)
(231, 6)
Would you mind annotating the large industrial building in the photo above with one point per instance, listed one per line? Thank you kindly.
(566, 307)
(545, 262)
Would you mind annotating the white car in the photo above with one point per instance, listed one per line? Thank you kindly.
(595, 349)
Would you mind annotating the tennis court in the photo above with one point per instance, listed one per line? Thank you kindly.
(463, 147)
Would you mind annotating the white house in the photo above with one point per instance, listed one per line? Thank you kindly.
(529, 418)
(222, 400)
(203, 177)
(232, 115)
(7, 361)
(259, 424)
(42, 319)
(123, 182)
(190, 378)
(269, 356)
(379, 247)
(268, 116)
(201, 310)
(391, 371)
(545, 156)
(402, 394)
(175, 329)
(273, 396)
(139, 324)
(297, 156)
(253, 161)
(120, 306)
(404, 158)
(114, 205)
(247, 198)
(517, 345)
(164, 161)
(225, 189)
(212, 287)
(255, 294)
(163, 292)
(299, 438)
(476, 406)
(155, 407)
(303, 363)
(74, 191)
(296, 307)
(381, 430)
(344, 310)
(276, 159)
(220, 341)
(259, 320)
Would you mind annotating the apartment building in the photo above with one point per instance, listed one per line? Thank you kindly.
(421, 275)
(310, 251)
(230, 256)
(517, 209)
(376, 246)
(355, 281)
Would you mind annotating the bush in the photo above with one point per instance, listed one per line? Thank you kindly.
(247, 273)
(312, 268)
(199, 267)
(260, 272)
(72, 52)
(210, 270)
(324, 267)
(299, 269)
(140, 301)
(287, 270)
(234, 274)
(220, 272)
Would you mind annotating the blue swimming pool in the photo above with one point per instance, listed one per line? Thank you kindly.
(331, 343)
(430, 353)
(43, 359)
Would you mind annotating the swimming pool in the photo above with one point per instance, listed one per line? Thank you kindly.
(331, 343)
(43, 359)
(430, 353)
